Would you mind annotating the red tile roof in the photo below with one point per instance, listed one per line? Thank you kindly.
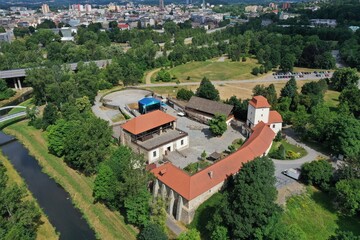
(192, 186)
(259, 102)
(275, 117)
(147, 121)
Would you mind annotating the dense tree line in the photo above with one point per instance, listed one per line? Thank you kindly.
(19, 217)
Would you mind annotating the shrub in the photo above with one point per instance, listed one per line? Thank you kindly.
(292, 155)
(184, 94)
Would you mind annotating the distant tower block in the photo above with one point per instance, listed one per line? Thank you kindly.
(161, 4)
(203, 4)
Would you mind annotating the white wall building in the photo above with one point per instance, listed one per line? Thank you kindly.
(259, 111)
(153, 134)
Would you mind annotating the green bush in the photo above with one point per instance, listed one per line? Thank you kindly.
(292, 155)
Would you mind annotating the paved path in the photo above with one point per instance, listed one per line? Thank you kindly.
(281, 165)
(174, 226)
(268, 78)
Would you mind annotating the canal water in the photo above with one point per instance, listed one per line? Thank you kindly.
(52, 198)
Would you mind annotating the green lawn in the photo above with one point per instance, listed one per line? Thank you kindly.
(331, 98)
(288, 147)
(205, 212)
(107, 224)
(26, 103)
(214, 70)
(314, 213)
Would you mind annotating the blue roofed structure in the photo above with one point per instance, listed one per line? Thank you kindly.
(149, 104)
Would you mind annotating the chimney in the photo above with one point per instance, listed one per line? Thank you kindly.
(211, 173)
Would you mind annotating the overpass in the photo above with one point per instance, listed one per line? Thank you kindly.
(17, 73)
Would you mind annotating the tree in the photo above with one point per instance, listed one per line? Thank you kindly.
(104, 190)
(287, 63)
(344, 235)
(57, 136)
(343, 78)
(290, 89)
(318, 173)
(207, 90)
(50, 115)
(158, 213)
(163, 76)
(250, 205)
(351, 97)
(19, 218)
(348, 196)
(138, 207)
(113, 73)
(5, 92)
(87, 144)
(219, 233)
(255, 71)
(240, 107)
(152, 232)
(191, 234)
(184, 94)
(343, 135)
(218, 124)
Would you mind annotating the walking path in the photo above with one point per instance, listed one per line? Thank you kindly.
(174, 226)
(149, 75)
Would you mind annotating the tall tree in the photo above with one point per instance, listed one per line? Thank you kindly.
(351, 97)
(343, 78)
(152, 232)
(348, 196)
(104, 189)
(290, 89)
(207, 90)
(218, 124)
(251, 204)
(318, 173)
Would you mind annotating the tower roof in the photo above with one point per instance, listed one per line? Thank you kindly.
(259, 102)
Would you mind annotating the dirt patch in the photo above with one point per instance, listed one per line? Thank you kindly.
(287, 191)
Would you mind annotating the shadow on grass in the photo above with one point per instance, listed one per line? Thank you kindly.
(205, 213)
(345, 223)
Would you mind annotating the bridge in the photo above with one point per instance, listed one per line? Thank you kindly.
(17, 73)
(14, 115)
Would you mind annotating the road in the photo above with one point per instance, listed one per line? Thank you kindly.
(281, 165)
(15, 73)
(268, 78)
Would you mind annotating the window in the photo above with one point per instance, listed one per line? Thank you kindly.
(273, 125)
(154, 153)
(262, 115)
(182, 142)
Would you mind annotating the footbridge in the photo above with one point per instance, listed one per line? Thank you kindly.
(7, 117)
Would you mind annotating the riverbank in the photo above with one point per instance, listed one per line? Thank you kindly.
(107, 224)
(45, 231)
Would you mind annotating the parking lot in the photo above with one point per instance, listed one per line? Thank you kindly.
(302, 75)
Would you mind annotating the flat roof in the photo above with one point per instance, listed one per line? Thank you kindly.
(147, 122)
(160, 139)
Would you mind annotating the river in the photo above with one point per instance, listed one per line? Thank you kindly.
(52, 198)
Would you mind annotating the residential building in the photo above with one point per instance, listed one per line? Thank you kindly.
(153, 134)
(45, 9)
(6, 36)
(259, 111)
(203, 110)
(323, 22)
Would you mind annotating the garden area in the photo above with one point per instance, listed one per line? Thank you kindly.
(193, 168)
(283, 150)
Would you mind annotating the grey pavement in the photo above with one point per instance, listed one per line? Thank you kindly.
(173, 225)
(200, 139)
(281, 165)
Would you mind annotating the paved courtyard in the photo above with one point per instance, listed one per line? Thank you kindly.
(200, 139)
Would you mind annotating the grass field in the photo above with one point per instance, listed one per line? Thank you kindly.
(314, 213)
(45, 231)
(288, 147)
(107, 224)
(331, 98)
(27, 103)
(214, 70)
